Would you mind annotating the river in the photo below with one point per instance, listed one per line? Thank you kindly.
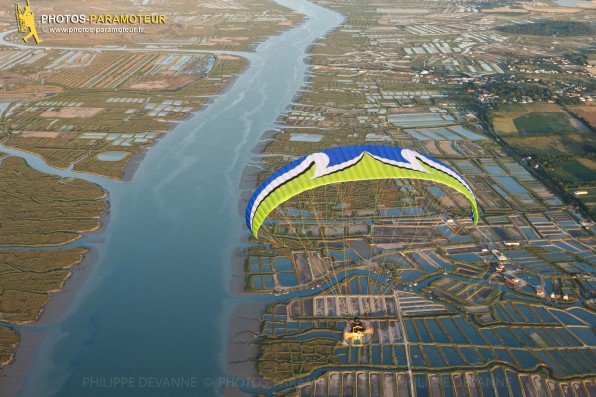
(156, 305)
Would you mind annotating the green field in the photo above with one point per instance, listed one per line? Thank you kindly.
(573, 171)
(531, 119)
(549, 28)
(536, 123)
(553, 145)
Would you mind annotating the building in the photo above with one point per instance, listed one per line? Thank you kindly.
(512, 282)
(499, 255)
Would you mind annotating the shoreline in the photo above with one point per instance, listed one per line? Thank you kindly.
(242, 346)
(102, 221)
(13, 375)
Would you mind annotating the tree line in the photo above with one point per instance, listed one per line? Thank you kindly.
(550, 28)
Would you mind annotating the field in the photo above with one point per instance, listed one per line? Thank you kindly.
(567, 145)
(504, 125)
(535, 119)
(587, 113)
(548, 27)
(536, 123)
(565, 159)
(581, 171)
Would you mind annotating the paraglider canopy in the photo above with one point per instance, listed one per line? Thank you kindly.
(345, 164)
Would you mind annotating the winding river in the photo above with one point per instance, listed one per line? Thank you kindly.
(156, 303)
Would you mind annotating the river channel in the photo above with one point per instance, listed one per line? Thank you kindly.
(156, 303)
